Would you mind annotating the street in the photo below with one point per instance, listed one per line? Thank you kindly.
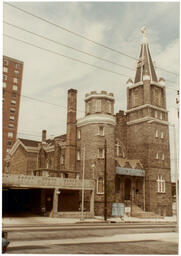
(93, 238)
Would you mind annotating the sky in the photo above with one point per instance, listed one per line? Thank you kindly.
(48, 76)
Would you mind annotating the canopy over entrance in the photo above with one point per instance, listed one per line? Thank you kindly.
(130, 171)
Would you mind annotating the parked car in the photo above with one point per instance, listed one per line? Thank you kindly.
(5, 241)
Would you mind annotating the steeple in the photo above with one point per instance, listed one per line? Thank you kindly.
(145, 68)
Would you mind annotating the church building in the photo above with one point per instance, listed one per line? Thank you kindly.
(134, 142)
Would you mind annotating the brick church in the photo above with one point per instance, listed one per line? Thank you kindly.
(137, 145)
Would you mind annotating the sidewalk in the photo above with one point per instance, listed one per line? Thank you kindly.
(38, 220)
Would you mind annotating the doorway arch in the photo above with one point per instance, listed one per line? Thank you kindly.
(127, 189)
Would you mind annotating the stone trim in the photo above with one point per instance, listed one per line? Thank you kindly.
(146, 119)
(96, 119)
(99, 96)
(135, 85)
(146, 105)
(159, 84)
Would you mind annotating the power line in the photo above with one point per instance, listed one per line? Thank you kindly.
(81, 36)
(42, 101)
(69, 31)
(166, 70)
(67, 46)
(67, 57)
(74, 59)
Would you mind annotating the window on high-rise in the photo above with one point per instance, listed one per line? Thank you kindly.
(16, 72)
(13, 102)
(17, 65)
(5, 69)
(13, 95)
(11, 125)
(9, 143)
(15, 80)
(11, 118)
(4, 85)
(12, 110)
(5, 77)
(10, 134)
(5, 62)
(15, 87)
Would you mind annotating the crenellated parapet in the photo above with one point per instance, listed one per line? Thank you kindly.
(99, 103)
(102, 94)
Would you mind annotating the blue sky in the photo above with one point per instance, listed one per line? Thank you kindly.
(116, 24)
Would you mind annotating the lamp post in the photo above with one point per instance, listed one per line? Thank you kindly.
(105, 181)
(176, 172)
(83, 174)
(93, 170)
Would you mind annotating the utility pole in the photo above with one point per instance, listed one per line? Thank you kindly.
(176, 174)
(105, 181)
(83, 174)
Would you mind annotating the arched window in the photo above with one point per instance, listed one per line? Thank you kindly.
(62, 160)
(160, 185)
(100, 185)
(156, 133)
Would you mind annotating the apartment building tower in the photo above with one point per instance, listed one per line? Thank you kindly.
(12, 82)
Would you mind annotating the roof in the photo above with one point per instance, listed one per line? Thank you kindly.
(61, 137)
(12, 59)
(145, 65)
(30, 143)
(34, 143)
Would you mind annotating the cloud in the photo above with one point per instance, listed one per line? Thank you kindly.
(47, 76)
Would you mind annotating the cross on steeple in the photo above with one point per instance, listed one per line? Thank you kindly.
(144, 32)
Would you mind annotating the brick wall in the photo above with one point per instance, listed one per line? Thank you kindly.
(18, 163)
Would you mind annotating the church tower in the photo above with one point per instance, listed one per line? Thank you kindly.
(96, 127)
(148, 131)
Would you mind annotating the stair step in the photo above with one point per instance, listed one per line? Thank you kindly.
(139, 213)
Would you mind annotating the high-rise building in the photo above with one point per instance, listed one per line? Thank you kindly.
(12, 82)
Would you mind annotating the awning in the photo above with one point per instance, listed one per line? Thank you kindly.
(130, 171)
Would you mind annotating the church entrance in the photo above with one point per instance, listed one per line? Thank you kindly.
(127, 189)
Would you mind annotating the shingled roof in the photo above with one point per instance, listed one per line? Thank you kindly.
(34, 143)
(29, 143)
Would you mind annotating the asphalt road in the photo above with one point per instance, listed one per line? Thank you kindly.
(93, 239)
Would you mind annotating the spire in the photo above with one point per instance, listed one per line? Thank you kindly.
(145, 68)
